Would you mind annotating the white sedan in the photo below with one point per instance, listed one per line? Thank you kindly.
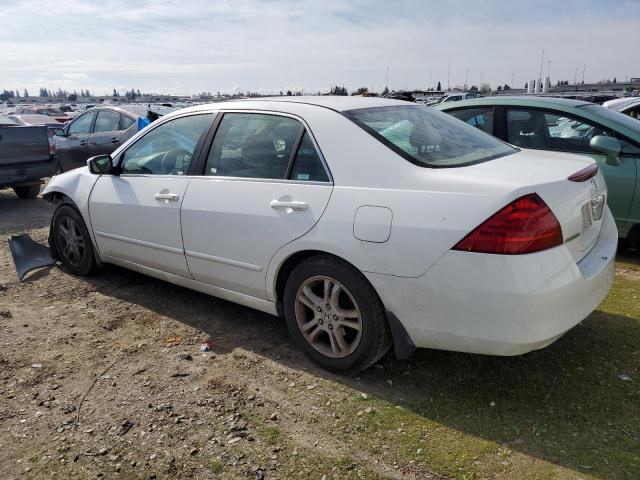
(366, 222)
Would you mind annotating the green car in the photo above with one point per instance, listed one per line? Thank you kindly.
(543, 123)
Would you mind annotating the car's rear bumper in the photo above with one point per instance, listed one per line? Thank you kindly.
(501, 304)
(27, 173)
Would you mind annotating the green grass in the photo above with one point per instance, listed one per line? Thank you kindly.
(216, 466)
(272, 435)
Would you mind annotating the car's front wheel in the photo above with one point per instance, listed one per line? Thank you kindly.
(335, 315)
(72, 241)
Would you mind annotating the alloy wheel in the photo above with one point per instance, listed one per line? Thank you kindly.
(71, 243)
(328, 316)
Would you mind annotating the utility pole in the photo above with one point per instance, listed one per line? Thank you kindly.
(449, 76)
(584, 67)
(575, 77)
(466, 78)
(541, 62)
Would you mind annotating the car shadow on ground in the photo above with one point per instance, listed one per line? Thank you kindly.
(19, 216)
(628, 256)
(567, 404)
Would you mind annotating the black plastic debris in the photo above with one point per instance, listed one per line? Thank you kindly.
(29, 255)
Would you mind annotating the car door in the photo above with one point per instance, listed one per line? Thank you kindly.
(71, 149)
(263, 184)
(105, 137)
(557, 131)
(136, 215)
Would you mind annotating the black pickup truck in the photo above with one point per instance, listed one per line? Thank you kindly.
(27, 155)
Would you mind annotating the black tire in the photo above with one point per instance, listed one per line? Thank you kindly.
(633, 239)
(375, 337)
(77, 257)
(28, 191)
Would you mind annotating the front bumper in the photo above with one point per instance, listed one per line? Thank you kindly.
(501, 304)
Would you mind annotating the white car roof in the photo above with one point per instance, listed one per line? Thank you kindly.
(294, 105)
(620, 103)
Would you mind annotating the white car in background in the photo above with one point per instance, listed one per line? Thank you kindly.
(457, 97)
(628, 105)
(365, 222)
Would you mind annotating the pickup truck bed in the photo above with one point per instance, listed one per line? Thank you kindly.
(26, 157)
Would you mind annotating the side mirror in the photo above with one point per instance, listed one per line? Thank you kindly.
(608, 146)
(100, 165)
(59, 132)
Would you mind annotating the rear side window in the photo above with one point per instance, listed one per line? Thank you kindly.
(481, 118)
(307, 165)
(549, 130)
(126, 122)
(427, 137)
(107, 121)
(255, 145)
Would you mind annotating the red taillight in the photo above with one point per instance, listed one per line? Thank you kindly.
(526, 225)
(52, 144)
(584, 174)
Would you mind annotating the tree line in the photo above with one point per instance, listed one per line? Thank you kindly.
(61, 94)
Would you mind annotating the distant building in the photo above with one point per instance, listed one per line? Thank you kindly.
(618, 88)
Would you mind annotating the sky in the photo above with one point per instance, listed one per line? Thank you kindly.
(186, 47)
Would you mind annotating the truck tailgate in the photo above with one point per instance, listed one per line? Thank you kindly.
(23, 145)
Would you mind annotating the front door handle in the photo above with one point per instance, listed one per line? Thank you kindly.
(293, 205)
(83, 143)
(114, 140)
(166, 197)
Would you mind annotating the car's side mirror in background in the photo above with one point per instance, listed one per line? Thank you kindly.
(100, 165)
(59, 132)
(608, 146)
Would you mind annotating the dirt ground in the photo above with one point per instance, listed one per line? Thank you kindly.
(102, 377)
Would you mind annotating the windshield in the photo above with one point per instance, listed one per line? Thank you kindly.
(620, 118)
(427, 137)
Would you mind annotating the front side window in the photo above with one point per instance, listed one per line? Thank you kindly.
(167, 149)
(427, 137)
(548, 130)
(481, 118)
(82, 124)
(107, 121)
(253, 145)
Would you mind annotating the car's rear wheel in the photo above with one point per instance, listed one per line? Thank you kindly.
(72, 241)
(27, 191)
(335, 315)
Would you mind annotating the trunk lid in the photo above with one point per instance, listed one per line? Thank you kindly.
(578, 206)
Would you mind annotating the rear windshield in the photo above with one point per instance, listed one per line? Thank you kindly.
(427, 137)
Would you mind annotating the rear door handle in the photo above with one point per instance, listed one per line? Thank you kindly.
(114, 140)
(166, 197)
(293, 205)
(83, 143)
